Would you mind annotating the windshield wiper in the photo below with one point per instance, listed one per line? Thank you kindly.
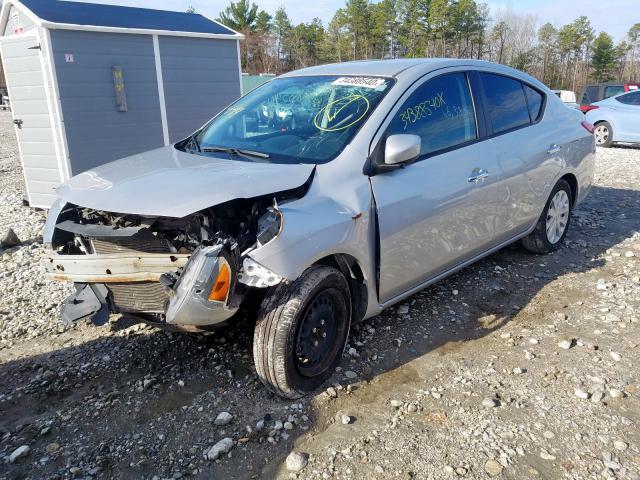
(236, 151)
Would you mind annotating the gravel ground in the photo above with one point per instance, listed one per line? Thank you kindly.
(520, 366)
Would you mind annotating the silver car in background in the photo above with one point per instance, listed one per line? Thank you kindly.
(616, 119)
(325, 195)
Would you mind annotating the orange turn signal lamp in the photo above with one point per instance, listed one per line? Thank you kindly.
(222, 284)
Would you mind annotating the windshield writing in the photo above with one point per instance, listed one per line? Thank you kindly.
(296, 120)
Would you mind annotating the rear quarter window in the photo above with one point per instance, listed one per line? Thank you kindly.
(534, 102)
(506, 102)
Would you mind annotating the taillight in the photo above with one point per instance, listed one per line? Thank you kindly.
(587, 126)
(586, 108)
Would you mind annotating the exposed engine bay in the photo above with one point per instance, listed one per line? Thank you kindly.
(188, 272)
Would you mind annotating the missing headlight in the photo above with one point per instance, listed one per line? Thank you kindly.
(269, 225)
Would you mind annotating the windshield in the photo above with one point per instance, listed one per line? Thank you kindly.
(306, 119)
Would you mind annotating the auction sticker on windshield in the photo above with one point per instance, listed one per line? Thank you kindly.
(366, 82)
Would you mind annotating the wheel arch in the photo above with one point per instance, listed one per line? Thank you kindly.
(572, 180)
(350, 267)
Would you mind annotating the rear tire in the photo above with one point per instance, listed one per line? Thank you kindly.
(603, 133)
(301, 332)
(553, 224)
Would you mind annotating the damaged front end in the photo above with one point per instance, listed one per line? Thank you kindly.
(190, 273)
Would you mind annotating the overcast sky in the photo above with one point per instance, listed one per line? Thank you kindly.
(612, 16)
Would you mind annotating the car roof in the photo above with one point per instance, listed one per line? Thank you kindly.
(408, 68)
(392, 67)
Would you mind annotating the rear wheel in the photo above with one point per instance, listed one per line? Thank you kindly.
(553, 224)
(603, 134)
(301, 331)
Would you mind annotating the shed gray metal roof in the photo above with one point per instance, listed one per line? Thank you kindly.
(93, 16)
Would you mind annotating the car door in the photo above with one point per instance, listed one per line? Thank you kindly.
(627, 117)
(526, 150)
(439, 210)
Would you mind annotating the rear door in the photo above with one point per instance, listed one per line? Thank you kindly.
(627, 117)
(440, 210)
(31, 112)
(526, 150)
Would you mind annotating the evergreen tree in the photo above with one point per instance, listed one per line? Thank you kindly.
(603, 58)
(240, 16)
(281, 29)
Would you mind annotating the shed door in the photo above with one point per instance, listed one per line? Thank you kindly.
(27, 92)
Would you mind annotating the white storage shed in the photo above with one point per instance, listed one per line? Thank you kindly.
(92, 83)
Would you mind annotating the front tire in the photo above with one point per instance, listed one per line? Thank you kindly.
(301, 332)
(553, 224)
(603, 133)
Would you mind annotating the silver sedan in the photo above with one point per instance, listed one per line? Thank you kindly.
(323, 197)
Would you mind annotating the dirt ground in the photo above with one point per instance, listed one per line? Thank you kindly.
(520, 366)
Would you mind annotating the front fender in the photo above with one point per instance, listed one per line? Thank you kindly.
(314, 229)
(333, 218)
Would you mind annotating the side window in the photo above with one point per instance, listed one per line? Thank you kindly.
(534, 102)
(440, 111)
(506, 102)
(612, 90)
(632, 98)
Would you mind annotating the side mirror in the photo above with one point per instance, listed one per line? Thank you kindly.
(401, 148)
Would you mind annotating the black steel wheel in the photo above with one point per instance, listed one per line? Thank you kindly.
(319, 333)
(301, 331)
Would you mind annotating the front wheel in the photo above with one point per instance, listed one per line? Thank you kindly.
(301, 331)
(603, 134)
(553, 224)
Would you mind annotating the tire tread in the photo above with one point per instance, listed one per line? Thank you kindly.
(276, 319)
(536, 241)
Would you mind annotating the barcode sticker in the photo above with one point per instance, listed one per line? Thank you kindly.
(367, 82)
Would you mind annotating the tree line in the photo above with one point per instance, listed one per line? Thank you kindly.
(563, 57)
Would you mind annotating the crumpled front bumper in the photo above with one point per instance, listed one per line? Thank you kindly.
(185, 302)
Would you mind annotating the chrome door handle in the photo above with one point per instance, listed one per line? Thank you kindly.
(553, 149)
(478, 175)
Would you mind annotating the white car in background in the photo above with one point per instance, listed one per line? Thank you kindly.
(568, 98)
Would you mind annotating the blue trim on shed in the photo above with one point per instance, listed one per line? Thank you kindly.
(117, 16)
